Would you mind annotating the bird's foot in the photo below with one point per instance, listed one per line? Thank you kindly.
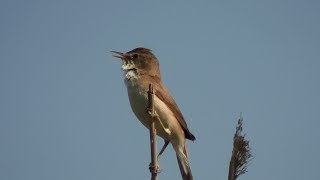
(154, 168)
(152, 114)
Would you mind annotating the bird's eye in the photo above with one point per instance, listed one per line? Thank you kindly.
(134, 56)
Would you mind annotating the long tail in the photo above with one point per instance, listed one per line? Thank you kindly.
(184, 166)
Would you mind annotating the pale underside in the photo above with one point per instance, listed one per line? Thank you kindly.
(168, 127)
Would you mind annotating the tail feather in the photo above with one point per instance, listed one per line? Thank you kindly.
(184, 166)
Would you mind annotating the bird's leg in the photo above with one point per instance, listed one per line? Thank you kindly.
(155, 115)
(163, 148)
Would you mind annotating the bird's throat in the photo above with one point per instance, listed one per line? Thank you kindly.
(129, 69)
(131, 74)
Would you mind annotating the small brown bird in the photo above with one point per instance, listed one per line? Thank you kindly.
(141, 68)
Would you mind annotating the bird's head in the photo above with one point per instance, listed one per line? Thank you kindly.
(139, 59)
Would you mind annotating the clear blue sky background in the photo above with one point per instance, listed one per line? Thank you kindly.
(64, 112)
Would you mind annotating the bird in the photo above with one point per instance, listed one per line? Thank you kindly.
(141, 68)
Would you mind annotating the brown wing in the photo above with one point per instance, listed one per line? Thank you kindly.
(163, 94)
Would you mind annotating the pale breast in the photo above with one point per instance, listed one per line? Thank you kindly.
(138, 98)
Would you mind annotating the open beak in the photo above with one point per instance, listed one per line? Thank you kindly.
(120, 55)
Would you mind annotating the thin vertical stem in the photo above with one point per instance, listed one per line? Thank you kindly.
(153, 144)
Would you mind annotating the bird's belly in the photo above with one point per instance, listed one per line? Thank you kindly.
(139, 102)
(168, 127)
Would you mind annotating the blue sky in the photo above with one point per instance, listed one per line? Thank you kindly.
(64, 111)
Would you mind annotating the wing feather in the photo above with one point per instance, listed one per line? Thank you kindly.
(163, 94)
